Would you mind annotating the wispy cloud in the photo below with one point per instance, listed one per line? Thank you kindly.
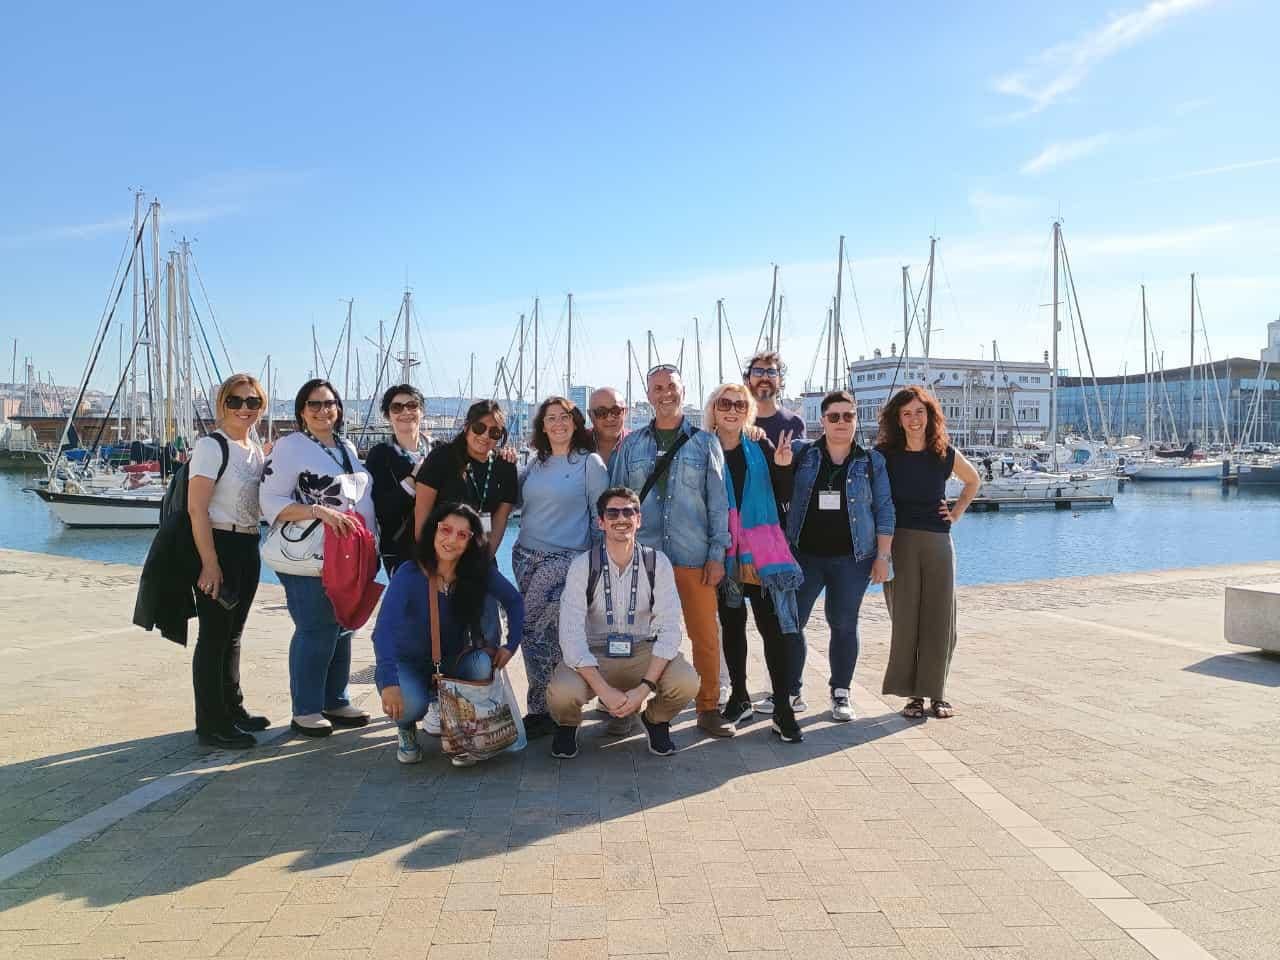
(121, 225)
(1056, 154)
(1058, 70)
(1212, 171)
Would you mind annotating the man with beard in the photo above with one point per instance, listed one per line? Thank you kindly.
(763, 377)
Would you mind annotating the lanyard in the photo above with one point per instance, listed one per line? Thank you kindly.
(475, 487)
(608, 587)
(344, 464)
(416, 457)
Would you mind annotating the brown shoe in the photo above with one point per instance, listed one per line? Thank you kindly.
(710, 722)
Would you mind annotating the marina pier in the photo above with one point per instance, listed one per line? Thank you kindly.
(1106, 790)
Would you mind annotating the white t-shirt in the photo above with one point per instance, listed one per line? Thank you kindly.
(235, 496)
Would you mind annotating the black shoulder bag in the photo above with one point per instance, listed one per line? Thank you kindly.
(664, 464)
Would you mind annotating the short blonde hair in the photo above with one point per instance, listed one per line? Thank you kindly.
(709, 411)
(229, 384)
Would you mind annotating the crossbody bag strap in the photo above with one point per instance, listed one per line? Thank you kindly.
(664, 464)
(433, 593)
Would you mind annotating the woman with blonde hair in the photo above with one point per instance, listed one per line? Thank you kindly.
(222, 502)
(759, 567)
(919, 459)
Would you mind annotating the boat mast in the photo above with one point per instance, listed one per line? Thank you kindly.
(1053, 369)
(906, 326)
(520, 382)
(773, 312)
(270, 397)
(568, 356)
(188, 387)
(406, 365)
(1146, 372)
(535, 350)
(928, 311)
(995, 398)
(719, 340)
(777, 336)
(1191, 393)
(629, 356)
(346, 374)
(154, 334)
(133, 361)
(835, 319)
(697, 347)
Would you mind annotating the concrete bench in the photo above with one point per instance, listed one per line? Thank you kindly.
(1253, 616)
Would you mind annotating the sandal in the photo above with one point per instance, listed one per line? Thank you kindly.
(941, 709)
(914, 710)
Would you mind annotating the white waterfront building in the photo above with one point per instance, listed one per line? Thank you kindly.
(971, 392)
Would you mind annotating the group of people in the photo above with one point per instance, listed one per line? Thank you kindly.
(626, 542)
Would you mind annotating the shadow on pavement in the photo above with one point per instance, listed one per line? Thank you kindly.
(1257, 668)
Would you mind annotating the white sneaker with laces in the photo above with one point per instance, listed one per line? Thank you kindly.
(432, 721)
(798, 704)
(841, 708)
(407, 749)
(764, 706)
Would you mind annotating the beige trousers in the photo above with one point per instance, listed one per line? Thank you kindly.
(568, 693)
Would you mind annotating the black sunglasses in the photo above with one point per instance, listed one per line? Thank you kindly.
(235, 402)
(835, 416)
(411, 405)
(315, 406)
(724, 405)
(619, 513)
(495, 433)
(771, 373)
(601, 412)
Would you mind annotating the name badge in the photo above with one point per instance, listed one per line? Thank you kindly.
(486, 521)
(828, 499)
(619, 645)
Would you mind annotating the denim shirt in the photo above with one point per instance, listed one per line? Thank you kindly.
(690, 523)
(870, 504)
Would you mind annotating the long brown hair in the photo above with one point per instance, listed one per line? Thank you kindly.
(580, 442)
(891, 436)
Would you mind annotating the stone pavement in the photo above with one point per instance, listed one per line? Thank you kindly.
(1108, 789)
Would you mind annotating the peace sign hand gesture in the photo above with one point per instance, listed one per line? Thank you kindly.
(782, 455)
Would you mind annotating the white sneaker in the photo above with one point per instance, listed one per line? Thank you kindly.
(407, 749)
(841, 708)
(724, 696)
(311, 725)
(432, 721)
(764, 706)
(798, 704)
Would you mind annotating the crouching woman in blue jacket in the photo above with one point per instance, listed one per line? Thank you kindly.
(453, 549)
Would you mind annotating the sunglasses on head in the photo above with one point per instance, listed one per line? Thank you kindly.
(315, 406)
(770, 373)
(495, 433)
(725, 404)
(400, 407)
(600, 413)
(620, 513)
(235, 402)
(663, 368)
(835, 416)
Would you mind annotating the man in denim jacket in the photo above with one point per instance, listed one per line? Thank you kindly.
(840, 527)
(686, 516)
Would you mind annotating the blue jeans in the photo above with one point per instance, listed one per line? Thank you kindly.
(845, 580)
(418, 688)
(320, 651)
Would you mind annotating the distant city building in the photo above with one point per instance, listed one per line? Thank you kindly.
(1184, 408)
(1003, 402)
(1271, 353)
(579, 395)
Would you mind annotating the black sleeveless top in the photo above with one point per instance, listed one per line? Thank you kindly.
(918, 481)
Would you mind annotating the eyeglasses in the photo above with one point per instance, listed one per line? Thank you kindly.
(552, 418)
(724, 405)
(770, 373)
(620, 513)
(235, 402)
(412, 406)
(835, 416)
(662, 368)
(315, 406)
(495, 433)
(602, 413)
(460, 534)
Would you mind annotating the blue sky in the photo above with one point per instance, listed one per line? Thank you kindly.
(651, 160)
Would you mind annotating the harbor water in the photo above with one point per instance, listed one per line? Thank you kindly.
(1152, 526)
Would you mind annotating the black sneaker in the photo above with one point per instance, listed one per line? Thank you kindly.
(249, 722)
(660, 742)
(787, 729)
(737, 710)
(565, 744)
(229, 739)
(538, 725)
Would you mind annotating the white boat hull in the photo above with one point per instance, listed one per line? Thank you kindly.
(1034, 488)
(1201, 470)
(95, 510)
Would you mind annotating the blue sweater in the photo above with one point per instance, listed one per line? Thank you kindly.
(403, 629)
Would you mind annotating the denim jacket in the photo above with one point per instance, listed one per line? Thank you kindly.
(870, 503)
(690, 524)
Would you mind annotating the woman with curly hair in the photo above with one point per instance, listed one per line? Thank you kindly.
(921, 596)
(558, 492)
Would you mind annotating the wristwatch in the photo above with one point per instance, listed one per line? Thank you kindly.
(649, 683)
(886, 557)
